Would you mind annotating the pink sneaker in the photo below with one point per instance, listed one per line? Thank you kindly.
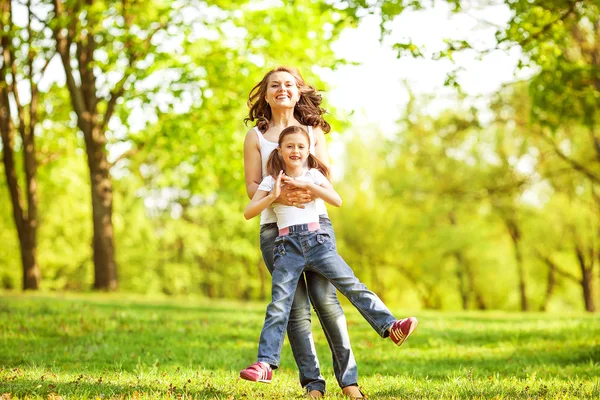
(401, 330)
(257, 372)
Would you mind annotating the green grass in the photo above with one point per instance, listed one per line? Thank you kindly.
(114, 346)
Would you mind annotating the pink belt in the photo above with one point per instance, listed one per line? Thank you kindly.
(310, 227)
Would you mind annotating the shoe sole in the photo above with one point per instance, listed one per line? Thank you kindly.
(413, 325)
(249, 378)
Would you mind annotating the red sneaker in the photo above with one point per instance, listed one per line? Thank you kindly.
(401, 330)
(257, 372)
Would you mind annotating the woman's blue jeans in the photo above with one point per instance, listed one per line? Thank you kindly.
(323, 297)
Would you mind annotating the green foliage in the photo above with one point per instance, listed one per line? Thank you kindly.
(428, 209)
(116, 346)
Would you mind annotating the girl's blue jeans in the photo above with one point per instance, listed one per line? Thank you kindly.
(315, 252)
(314, 287)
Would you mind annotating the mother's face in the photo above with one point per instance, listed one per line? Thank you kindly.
(282, 90)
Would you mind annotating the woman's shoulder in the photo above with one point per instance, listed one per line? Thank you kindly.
(252, 136)
(253, 132)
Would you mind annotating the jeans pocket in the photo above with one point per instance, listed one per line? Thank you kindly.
(278, 248)
(323, 237)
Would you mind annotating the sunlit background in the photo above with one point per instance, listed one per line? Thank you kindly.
(465, 145)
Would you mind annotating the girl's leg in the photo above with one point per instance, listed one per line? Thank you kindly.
(285, 280)
(299, 325)
(325, 260)
(331, 315)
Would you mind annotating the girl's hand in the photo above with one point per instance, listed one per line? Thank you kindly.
(294, 183)
(277, 188)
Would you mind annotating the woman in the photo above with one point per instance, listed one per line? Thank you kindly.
(281, 99)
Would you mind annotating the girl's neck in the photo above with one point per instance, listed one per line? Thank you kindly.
(283, 118)
(294, 171)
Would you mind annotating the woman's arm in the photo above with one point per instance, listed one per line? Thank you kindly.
(252, 163)
(321, 151)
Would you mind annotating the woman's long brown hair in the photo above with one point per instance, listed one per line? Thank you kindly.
(275, 162)
(307, 111)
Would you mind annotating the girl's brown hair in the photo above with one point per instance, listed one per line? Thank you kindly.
(275, 162)
(307, 111)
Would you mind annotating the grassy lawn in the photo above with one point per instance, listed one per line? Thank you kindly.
(121, 347)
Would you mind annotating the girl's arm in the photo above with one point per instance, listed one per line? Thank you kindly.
(260, 201)
(325, 191)
(263, 199)
(252, 163)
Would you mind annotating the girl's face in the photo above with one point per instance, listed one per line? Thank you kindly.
(294, 149)
(282, 90)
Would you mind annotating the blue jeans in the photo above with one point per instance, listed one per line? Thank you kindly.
(314, 252)
(323, 297)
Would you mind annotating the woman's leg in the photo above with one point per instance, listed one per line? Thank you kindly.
(331, 315)
(299, 324)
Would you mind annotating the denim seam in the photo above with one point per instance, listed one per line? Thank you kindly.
(329, 340)
(294, 344)
(379, 329)
(279, 346)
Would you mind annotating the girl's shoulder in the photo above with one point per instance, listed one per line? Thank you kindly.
(268, 179)
(267, 184)
(315, 174)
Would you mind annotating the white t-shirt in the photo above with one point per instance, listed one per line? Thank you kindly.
(290, 215)
(266, 147)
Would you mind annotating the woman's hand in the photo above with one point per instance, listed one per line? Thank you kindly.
(294, 196)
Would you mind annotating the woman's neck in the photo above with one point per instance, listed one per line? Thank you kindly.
(283, 118)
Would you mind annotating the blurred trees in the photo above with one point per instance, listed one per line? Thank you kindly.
(455, 210)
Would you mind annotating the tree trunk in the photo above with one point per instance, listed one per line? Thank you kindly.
(586, 279)
(105, 268)
(588, 292)
(25, 218)
(26, 227)
(460, 276)
(84, 99)
(479, 301)
(550, 284)
(515, 235)
(466, 277)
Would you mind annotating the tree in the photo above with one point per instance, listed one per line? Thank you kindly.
(106, 49)
(26, 53)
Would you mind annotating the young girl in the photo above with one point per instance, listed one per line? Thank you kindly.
(301, 245)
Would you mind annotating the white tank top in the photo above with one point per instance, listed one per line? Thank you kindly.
(266, 148)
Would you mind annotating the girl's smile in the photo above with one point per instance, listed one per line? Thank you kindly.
(294, 150)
